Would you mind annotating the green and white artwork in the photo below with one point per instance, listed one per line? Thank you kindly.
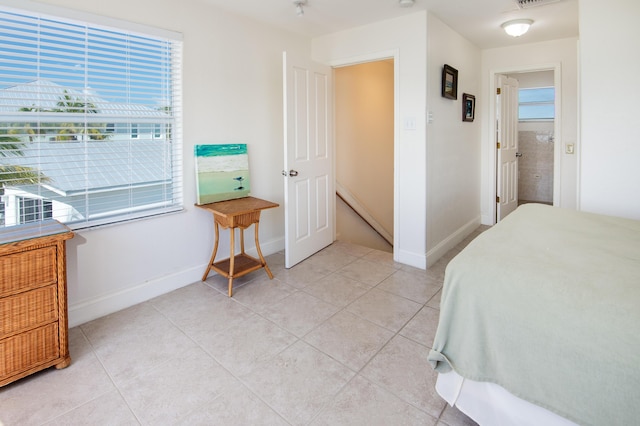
(222, 172)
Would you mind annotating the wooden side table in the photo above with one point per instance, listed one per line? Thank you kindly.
(239, 213)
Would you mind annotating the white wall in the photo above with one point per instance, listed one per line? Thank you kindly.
(406, 39)
(529, 57)
(453, 146)
(610, 87)
(232, 93)
(534, 79)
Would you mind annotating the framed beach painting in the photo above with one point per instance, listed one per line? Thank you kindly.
(222, 172)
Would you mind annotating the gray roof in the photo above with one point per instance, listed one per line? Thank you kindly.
(109, 164)
(49, 94)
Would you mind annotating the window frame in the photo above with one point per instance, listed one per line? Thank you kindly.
(174, 136)
(545, 103)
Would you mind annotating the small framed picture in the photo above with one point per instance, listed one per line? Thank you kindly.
(449, 82)
(468, 107)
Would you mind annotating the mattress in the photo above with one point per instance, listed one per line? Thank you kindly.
(546, 304)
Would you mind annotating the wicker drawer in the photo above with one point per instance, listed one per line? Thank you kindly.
(24, 351)
(28, 269)
(28, 310)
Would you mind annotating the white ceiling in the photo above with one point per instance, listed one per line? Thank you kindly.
(477, 20)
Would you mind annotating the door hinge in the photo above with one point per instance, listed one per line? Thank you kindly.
(498, 145)
(497, 199)
(498, 90)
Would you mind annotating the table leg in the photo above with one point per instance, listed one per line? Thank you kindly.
(264, 262)
(231, 259)
(215, 251)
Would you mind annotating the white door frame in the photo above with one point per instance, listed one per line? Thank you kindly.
(557, 126)
(372, 57)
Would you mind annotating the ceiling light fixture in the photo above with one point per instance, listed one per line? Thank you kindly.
(406, 3)
(299, 6)
(517, 27)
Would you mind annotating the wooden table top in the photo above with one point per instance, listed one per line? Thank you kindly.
(238, 206)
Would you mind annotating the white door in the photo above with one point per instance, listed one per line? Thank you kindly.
(507, 146)
(309, 194)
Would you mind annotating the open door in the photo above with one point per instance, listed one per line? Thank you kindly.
(507, 146)
(309, 194)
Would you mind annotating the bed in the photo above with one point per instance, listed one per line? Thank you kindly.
(540, 319)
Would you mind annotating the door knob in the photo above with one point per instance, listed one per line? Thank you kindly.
(518, 154)
(291, 173)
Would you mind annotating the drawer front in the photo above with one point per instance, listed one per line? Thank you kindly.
(28, 310)
(27, 350)
(29, 269)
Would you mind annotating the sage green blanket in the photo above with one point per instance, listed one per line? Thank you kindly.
(547, 305)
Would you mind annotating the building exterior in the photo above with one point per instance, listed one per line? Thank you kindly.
(70, 129)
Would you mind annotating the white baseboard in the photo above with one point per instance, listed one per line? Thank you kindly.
(97, 307)
(450, 242)
(90, 309)
(412, 259)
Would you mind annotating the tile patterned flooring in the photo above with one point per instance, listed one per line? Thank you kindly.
(340, 339)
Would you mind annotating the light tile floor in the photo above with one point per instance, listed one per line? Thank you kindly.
(340, 339)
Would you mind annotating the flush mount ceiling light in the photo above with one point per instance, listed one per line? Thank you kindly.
(299, 6)
(517, 27)
(406, 3)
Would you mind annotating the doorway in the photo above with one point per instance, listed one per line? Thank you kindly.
(364, 132)
(536, 137)
(537, 129)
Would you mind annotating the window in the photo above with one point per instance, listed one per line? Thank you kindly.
(536, 104)
(33, 209)
(89, 121)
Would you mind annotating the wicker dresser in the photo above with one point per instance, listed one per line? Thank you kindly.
(33, 299)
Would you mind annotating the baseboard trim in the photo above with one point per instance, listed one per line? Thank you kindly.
(451, 241)
(93, 308)
(412, 259)
(97, 307)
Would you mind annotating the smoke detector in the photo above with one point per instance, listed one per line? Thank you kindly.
(526, 4)
(406, 3)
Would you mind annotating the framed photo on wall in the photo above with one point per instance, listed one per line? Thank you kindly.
(468, 107)
(449, 82)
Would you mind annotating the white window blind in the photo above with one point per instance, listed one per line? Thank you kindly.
(89, 122)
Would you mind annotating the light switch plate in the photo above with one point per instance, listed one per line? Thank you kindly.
(409, 123)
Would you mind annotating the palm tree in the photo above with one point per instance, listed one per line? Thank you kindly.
(11, 146)
(68, 104)
(10, 174)
(68, 130)
(30, 129)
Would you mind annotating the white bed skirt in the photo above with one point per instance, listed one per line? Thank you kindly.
(491, 405)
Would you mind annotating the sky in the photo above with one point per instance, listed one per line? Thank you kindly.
(116, 66)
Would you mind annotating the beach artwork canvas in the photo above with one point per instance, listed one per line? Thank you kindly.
(222, 172)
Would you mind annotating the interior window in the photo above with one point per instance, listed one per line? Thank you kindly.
(536, 104)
